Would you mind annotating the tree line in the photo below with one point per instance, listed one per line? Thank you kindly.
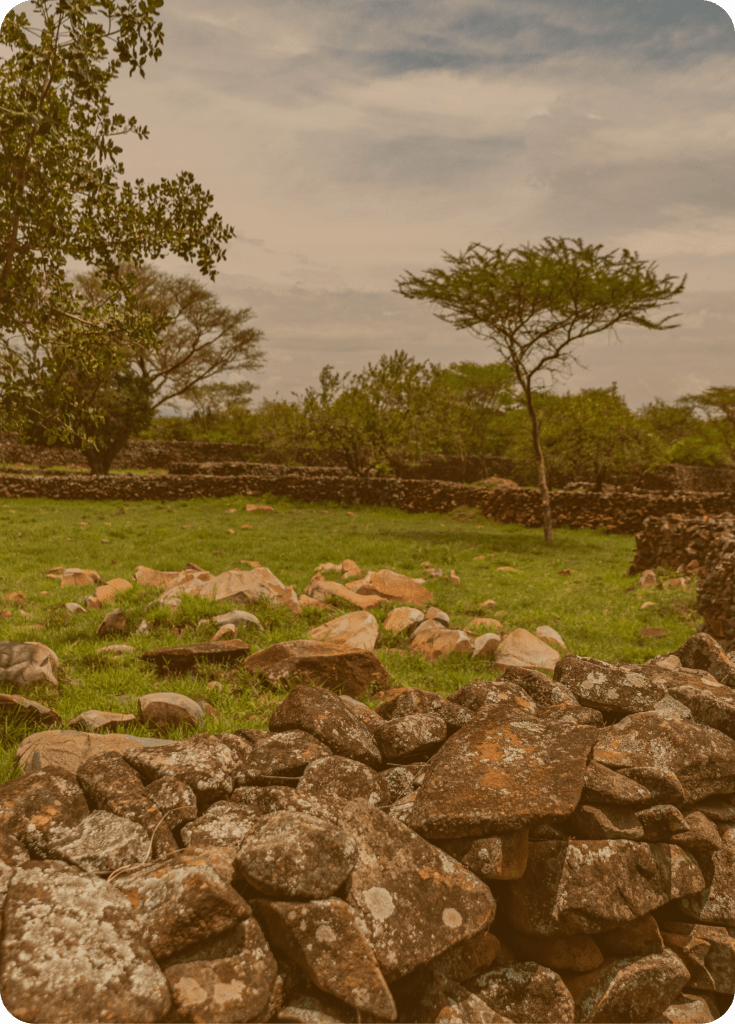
(88, 359)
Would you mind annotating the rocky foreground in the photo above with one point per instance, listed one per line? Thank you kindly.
(528, 849)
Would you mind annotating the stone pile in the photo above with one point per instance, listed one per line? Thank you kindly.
(619, 512)
(531, 849)
(704, 546)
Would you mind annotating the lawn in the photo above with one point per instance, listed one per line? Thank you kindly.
(596, 607)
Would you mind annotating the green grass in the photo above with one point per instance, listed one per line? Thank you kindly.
(7, 467)
(596, 608)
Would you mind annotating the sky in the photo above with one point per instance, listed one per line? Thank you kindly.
(350, 141)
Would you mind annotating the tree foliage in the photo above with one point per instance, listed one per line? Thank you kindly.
(533, 303)
(62, 192)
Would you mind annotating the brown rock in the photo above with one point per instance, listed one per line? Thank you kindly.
(102, 843)
(502, 772)
(446, 1001)
(185, 657)
(113, 622)
(101, 721)
(411, 737)
(358, 630)
(544, 691)
(315, 662)
(153, 577)
(583, 886)
(702, 758)
(710, 704)
(494, 857)
(415, 901)
(609, 821)
(632, 990)
(322, 714)
(596, 684)
(708, 953)
(25, 664)
(176, 801)
(393, 586)
(15, 707)
(164, 711)
(344, 778)
(661, 783)
(325, 939)
(714, 903)
(604, 786)
(278, 755)
(42, 808)
(320, 589)
(486, 645)
(637, 938)
(468, 957)
(523, 649)
(202, 762)
(230, 988)
(235, 585)
(68, 748)
(402, 618)
(79, 578)
(414, 701)
(81, 929)
(701, 651)
(223, 825)
(110, 784)
(558, 952)
(526, 992)
(434, 644)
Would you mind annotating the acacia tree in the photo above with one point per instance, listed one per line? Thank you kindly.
(533, 303)
(717, 400)
(62, 194)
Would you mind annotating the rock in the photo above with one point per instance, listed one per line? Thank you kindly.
(362, 712)
(412, 701)
(445, 1000)
(689, 1009)
(102, 843)
(702, 758)
(410, 737)
(416, 901)
(79, 578)
(101, 721)
(399, 779)
(185, 657)
(280, 754)
(606, 687)
(82, 929)
(324, 938)
(500, 773)
(322, 714)
(223, 826)
(259, 508)
(68, 749)
(228, 630)
(202, 762)
(648, 578)
(153, 577)
(637, 938)
(175, 800)
(164, 711)
(559, 952)
(393, 586)
(234, 987)
(661, 783)
(606, 822)
(234, 585)
(23, 664)
(439, 643)
(526, 992)
(294, 855)
(42, 809)
(604, 786)
(491, 858)
(72, 606)
(237, 618)
(714, 902)
(344, 778)
(549, 634)
(708, 706)
(486, 645)
(402, 618)
(113, 622)
(523, 649)
(13, 706)
(701, 651)
(580, 886)
(320, 589)
(358, 630)
(708, 953)
(437, 615)
(629, 989)
(332, 666)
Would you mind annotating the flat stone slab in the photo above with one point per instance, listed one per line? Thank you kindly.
(181, 659)
(332, 666)
(503, 771)
(68, 748)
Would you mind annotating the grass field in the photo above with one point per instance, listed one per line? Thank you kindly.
(596, 607)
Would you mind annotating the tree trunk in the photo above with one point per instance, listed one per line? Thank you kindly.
(542, 481)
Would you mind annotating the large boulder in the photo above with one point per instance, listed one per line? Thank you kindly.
(333, 666)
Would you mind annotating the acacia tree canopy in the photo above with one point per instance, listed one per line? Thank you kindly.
(532, 303)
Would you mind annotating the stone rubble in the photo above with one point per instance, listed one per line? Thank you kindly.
(530, 849)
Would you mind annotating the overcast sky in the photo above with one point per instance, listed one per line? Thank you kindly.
(348, 141)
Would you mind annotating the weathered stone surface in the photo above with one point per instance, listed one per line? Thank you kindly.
(236, 585)
(402, 618)
(164, 711)
(176, 801)
(414, 701)
(526, 992)
(472, 696)
(485, 645)
(293, 855)
(524, 650)
(101, 721)
(632, 990)
(500, 773)
(410, 737)
(180, 900)
(434, 644)
(101, 843)
(701, 651)
(15, 707)
(494, 857)
(24, 665)
(468, 957)
(714, 903)
(605, 822)
(42, 808)
(185, 657)
(323, 715)
(557, 952)
(223, 824)
(690, 1009)
(637, 938)
(597, 684)
(332, 666)
(202, 762)
(586, 886)
(415, 901)
(153, 577)
(707, 951)
(702, 758)
(399, 779)
(393, 586)
(320, 589)
(229, 988)
(282, 754)
(358, 630)
(344, 778)
(68, 748)
(447, 1001)
(77, 927)
(604, 786)
(661, 821)
(362, 712)
(544, 691)
(325, 939)
(709, 704)
(661, 783)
